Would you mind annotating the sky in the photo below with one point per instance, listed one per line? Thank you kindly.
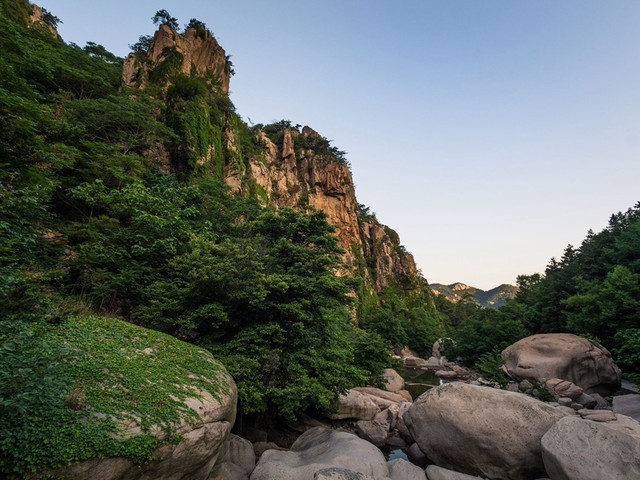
(489, 134)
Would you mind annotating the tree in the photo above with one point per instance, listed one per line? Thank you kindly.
(200, 27)
(162, 17)
(141, 47)
(270, 306)
(50, 19)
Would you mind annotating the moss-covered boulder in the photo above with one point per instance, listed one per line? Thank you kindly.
(136, 404)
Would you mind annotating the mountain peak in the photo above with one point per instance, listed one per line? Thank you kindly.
(494, 298)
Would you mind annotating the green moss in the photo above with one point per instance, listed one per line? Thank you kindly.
(117, 374)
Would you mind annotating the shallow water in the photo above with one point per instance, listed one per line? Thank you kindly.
(418, 381)
(391, 453)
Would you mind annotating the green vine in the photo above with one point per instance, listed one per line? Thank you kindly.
(118, 376)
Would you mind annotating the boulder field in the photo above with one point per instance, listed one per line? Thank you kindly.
(461, 430)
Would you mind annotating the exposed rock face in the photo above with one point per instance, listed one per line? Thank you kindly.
(382, 245)
(318, 449)
(561, 355)
(197, 50)
(37, 17)
(577, 449)
(481, 431)
(356, 405)
(302, 178)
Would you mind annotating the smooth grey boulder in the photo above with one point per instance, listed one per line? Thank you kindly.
(417, 456)
(628, 405)
(400, 426)
(579, 360)
(438, 473)
(238, 451)
(335, 473)
(355, 405)
(577, 449)
(377, 430)
(320, 448)
(400, 469)
(228, 471)
(393, 381)
(481, 431)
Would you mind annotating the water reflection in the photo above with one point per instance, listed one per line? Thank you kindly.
(418, 381)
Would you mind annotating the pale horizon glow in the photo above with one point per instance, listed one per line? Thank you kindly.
(489, 135)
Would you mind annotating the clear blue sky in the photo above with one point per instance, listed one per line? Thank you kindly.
(490, 134)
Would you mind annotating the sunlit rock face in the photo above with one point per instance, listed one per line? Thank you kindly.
(199, 52)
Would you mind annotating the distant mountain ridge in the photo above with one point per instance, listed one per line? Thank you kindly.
(494, 298)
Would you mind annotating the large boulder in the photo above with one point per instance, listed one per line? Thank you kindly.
(382, 398)
(481, 431)
(392, 379)
(400, 469)
(237, 460)
(561, 355)
(438, 473)
(356, 405)
(577, 449)
(178, 379)
(318, 449)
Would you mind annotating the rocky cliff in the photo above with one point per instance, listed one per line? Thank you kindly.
(195, 51)
(282, 165)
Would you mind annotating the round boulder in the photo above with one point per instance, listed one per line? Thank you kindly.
(577, 449)
(565, 356)
(481, 431)
(318, 449)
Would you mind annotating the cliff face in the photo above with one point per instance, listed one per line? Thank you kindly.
(300, 173)
(286, 167)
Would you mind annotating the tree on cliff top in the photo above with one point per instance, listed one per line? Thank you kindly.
(162, 17)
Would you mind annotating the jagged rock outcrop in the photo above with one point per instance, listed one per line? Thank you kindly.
(303, 177)
(291, 167)
(195, 50)
(37, 18)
